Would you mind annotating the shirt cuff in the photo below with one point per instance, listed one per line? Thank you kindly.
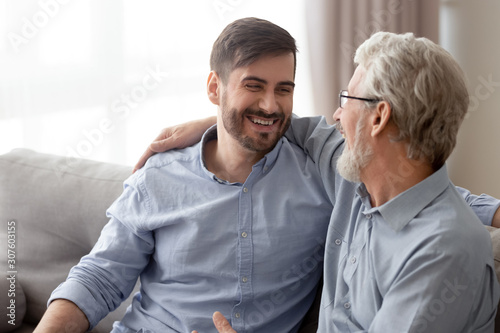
(77, 293)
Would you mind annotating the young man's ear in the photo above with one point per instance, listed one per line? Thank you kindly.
(214, 86)
(380, 118)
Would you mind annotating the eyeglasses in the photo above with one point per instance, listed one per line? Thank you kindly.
(343, 98)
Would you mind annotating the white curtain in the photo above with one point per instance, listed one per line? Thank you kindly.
(335, 28)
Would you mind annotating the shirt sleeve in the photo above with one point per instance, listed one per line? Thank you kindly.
(484, 206)
(322, 143)
(107, 275)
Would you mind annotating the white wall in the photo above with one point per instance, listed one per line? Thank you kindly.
(470, 30)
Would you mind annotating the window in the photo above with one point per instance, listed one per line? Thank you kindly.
(99, 79)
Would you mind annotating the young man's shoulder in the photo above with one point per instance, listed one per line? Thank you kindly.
(162, 160)
(176, 165)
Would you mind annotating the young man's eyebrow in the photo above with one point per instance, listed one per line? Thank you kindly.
(258, 79)
(253, 78)
(287, 83)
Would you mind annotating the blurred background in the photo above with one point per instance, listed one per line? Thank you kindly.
(99, 79)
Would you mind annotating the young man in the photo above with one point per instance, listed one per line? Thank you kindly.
(218, 225)
(415, 258)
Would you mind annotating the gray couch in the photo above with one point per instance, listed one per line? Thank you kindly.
(55, 209)
(58, 208)
(52, 209)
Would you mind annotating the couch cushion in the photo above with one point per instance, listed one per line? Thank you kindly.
(58, 205)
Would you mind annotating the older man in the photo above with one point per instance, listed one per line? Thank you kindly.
(416, 258)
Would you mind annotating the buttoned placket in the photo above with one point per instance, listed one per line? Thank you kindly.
(363, 225)
(245, 245)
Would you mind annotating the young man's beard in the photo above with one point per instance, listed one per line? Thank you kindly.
(352, 161)
(233, 124)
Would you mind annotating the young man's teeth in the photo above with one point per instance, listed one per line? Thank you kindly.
(262, 122)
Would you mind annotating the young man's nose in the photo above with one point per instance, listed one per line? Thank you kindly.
(268, 102)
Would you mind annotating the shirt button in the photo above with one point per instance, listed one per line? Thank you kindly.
(244, 234)
(338, 242)
(237, 315)
(368, 216)
(244, 279)
(353, 260)
(347, 305)
(245, 189)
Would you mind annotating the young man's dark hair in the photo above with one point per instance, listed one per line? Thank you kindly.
(245, 40)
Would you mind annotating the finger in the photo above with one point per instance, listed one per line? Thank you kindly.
(147, 154)
(221, 323)
(153, 148)
(160, 146)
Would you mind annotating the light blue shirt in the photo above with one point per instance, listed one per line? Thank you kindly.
(422, 262)
(253, 251)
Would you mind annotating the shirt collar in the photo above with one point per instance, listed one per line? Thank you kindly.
(265, 163)
(400, 210)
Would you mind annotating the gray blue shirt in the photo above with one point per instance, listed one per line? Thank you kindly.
(421, 262)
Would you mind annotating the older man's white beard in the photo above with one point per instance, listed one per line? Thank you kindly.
(352, 161)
